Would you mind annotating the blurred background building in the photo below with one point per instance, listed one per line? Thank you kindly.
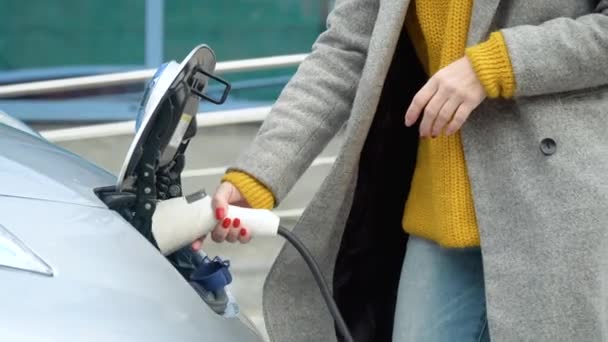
(49, 40)
(65, 38)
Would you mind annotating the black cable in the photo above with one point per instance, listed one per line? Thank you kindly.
(316, 272)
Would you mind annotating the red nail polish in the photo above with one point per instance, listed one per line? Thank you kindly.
(243, 232)
(226, 223)
(236, 223)
(219, 213)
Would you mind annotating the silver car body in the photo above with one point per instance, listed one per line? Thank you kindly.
(109, 283)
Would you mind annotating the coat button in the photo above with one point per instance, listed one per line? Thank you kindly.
(548, 146)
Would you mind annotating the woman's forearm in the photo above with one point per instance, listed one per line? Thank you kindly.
(315, 103)
(560, 55)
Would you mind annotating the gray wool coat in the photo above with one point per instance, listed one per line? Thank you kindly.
(538, 166)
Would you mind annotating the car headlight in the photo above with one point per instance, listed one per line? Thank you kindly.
(14, 254)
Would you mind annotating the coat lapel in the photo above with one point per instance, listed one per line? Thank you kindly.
(388, 28)
(481, 20)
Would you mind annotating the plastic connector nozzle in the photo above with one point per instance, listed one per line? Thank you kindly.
(177, 222)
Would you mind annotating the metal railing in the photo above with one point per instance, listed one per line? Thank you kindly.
(221, 118)
(137, 76)
(210, 119)
(227, 117)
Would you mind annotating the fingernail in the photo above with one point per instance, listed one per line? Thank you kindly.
(243, 232)
(219, 213)
(226, 223)
(236, 223)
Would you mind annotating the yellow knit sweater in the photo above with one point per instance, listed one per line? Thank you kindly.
(440, 206)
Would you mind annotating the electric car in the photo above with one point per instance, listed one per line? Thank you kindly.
(77, 258)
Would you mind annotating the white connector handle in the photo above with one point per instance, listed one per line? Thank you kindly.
(258, 222)
(179, 221)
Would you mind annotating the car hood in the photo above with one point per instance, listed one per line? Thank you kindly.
(108, 284)
(31, 167)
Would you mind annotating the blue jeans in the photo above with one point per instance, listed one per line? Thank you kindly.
(441, 295)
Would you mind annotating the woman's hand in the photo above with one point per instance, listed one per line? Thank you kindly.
(228, 229)
(447, 99)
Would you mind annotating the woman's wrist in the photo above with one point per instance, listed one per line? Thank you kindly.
(255, 193)
(492, 65)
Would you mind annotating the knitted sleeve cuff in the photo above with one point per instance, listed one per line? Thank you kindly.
(254, 192)
(492, 65)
